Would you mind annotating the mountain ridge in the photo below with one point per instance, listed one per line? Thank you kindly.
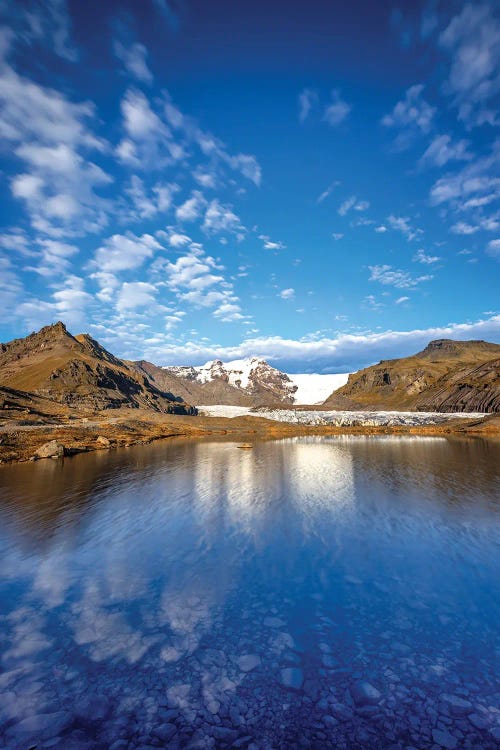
(447, 375)
(77, 371)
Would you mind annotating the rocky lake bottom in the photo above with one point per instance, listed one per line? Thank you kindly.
(320, 592)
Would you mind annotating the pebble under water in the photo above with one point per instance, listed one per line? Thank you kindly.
(309, 593)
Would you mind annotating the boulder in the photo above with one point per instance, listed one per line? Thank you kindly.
(101, 440)
(52, 449)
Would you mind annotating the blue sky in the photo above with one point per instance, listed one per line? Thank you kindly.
(314, 183)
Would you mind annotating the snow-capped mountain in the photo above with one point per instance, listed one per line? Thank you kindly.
(254, 382)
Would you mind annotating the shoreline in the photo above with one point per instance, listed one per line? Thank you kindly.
(20, 439)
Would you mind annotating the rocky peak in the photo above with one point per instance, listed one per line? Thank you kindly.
(48, 337)
(95, 349)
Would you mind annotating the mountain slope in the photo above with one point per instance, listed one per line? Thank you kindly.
(77, 372)
(446, 376)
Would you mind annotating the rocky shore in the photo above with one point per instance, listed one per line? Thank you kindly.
(31, 438)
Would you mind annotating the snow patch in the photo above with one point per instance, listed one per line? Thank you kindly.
(314, 388)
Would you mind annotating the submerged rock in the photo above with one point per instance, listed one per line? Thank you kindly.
(247, 662)
(292, 678)
(445, 739)
(458, 706)
(364, 694)
(41, 727)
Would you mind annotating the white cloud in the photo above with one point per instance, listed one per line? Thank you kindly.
(269, 244)
(400, 300)
(287, 293)
(461, 227)
(179, 240)
(494, 248)
(51, 136)
(192, 208)
(470, 185)
(53, 258)
(307, 99)
(124, 252)
(389, 276)
(70, 302)
(145, 206)
(205, 178)
(472, 39)
(354, 204)
(229, 312)
(336, 112)
(345, 353)
(402, 224)
(46, 23)
(135, 294)
(412, 115)
(221, 218)
(211, 148)
(371, 301)
(134, 57)
(442, 150)
(326, 193)
(337, 235)
(422, 257)
(381, 229)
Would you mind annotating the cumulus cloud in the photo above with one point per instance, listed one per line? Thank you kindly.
(402, 224)
(390, 276)
(442, 150)
(51, 136)
(135, 294)
(198, 281)
(53, 258)
(476, 184)
(269, 244)
(221, 218)
(344, 353)
(147, 203)
(134, 58)
(124, 252)
(307, 99)
(192, 208)
(47, 23)
(354, 204)
(337, 111)
(287, 293)
(411, 116)
(422, 257)
(70, 302)
(472, 40)
(493, 248)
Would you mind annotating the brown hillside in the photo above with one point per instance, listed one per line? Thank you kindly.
(77, 372)
(446, 376)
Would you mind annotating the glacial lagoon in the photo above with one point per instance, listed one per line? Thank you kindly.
(335, 592)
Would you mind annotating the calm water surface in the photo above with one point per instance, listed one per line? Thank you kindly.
(323, 593)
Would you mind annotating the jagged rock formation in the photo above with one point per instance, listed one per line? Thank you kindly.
(77, 372)
(446, 376)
